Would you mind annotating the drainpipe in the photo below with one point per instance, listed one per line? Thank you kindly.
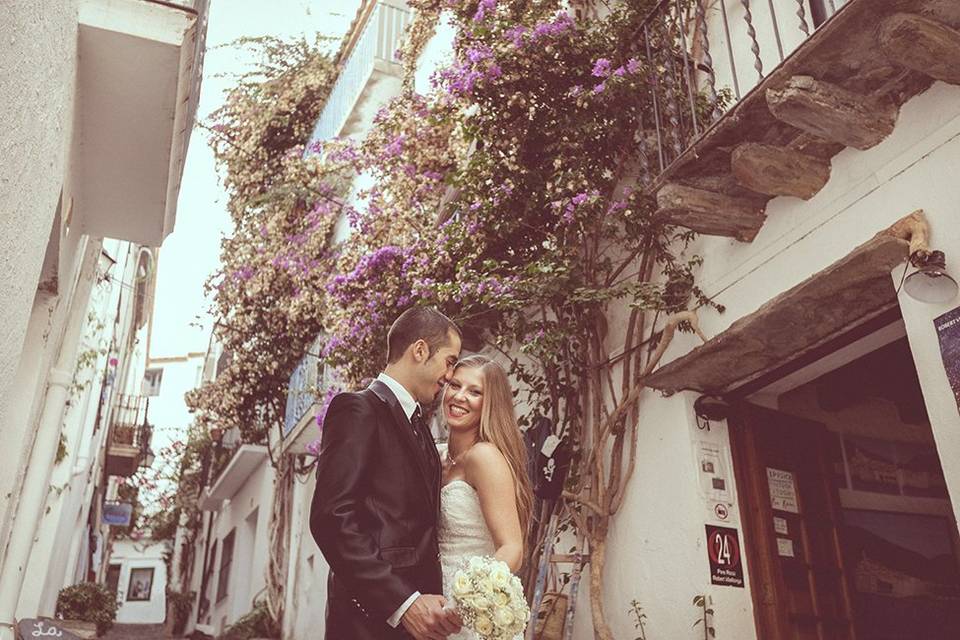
(36, 482)
(33, 499)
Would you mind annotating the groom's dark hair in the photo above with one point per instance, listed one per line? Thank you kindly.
(418, 323)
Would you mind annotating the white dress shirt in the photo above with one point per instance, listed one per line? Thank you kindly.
(409, 405)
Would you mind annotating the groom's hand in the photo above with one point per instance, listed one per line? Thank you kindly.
(426, 619)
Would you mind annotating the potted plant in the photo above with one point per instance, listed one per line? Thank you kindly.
(256, 625)
(87, 609)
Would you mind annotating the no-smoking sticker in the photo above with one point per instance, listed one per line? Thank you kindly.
(723, 547)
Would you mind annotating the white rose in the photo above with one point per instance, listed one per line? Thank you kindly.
(462, 585)
(477, 563)
(500, 576)
(483, 625)
(501, 598)
(485, 586)
(503, 616)
(481, 601)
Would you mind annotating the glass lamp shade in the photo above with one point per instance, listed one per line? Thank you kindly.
(931, 282)
(148, 459)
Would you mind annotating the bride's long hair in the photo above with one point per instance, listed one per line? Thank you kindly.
(498, 426)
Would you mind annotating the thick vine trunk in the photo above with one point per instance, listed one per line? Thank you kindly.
(598, 555)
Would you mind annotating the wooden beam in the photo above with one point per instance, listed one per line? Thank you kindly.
(711, 213)
(778, 171)
(922, 45)
(832, 112)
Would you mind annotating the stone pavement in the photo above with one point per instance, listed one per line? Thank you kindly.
(135, 632)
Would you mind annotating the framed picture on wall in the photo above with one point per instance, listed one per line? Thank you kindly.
(141, 584)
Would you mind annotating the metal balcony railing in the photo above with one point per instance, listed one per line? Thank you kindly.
(302, 391)
(378, 36)
(708, 54)
(310, 381)
(129, 426)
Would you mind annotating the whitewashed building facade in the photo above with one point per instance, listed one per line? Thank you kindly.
(101, 97)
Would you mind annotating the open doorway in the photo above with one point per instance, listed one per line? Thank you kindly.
(848, 523)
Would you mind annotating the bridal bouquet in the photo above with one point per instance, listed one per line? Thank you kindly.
(490, 599)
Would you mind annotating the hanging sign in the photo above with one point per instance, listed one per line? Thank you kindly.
(783, 490)
(723, 548)
(117, 514)
(948, 331)
(30, 628)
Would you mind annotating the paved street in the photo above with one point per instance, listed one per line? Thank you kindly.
(135, 632)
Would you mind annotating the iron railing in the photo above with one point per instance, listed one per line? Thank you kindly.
(129, 422)
(380, 33)
(305, 387)
(706, 55)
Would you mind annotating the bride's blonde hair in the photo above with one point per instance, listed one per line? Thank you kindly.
(498, 426)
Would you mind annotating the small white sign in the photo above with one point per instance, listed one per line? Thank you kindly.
(780, 525)
(783, 490)
(550, 445)
(785, 547)
(714, 472)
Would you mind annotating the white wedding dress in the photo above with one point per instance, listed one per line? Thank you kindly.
(463, 533)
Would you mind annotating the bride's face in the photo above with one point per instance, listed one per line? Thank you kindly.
(464, 399)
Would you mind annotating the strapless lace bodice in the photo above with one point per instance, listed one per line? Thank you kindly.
(463, 533)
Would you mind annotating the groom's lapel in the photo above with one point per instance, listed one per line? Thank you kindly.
(383, 392)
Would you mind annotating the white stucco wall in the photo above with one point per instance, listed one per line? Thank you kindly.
(251, 545)
(308, 570)
(132, 555)
(37, 86)
(656, 551)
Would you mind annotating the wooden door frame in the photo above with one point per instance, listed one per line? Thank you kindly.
(759, 545)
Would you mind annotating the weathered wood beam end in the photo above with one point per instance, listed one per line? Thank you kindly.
(833, 113)
(921, 44)
(710, 213)
(778, 171)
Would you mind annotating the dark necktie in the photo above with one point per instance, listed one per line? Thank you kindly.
(422, 433)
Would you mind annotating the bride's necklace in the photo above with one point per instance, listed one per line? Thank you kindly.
(454, 461)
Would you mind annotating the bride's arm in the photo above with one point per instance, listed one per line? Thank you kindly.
(487, 470)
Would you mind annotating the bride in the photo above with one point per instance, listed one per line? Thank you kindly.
(485, 495)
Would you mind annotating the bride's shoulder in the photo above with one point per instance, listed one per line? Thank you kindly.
(484, 456)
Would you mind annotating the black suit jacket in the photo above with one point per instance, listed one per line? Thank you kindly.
(374, 514)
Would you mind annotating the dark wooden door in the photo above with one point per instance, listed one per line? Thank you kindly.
(791, 519)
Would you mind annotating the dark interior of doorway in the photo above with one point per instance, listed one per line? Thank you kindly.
(897, 535)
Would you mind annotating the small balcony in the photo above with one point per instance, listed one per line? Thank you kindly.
(310, 383)
(128, 444)
(242, 465)
(750, 100)
(138, 83)
(370, 73)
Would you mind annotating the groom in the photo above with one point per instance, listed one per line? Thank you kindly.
(376, 504)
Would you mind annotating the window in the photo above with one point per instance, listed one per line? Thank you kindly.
(226, 559)
(141, 584)
(151, 382)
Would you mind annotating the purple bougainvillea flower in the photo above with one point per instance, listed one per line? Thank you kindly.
(601, 68)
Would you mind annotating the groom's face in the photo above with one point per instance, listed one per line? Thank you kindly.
(437, 370)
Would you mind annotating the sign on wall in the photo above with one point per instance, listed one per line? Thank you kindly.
(726, 560)
(783, 490)
(117, 514)
(948, 331)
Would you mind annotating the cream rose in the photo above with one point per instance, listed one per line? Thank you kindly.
(500, 577)
(483, 625)
(462, 585)
(503, 616)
